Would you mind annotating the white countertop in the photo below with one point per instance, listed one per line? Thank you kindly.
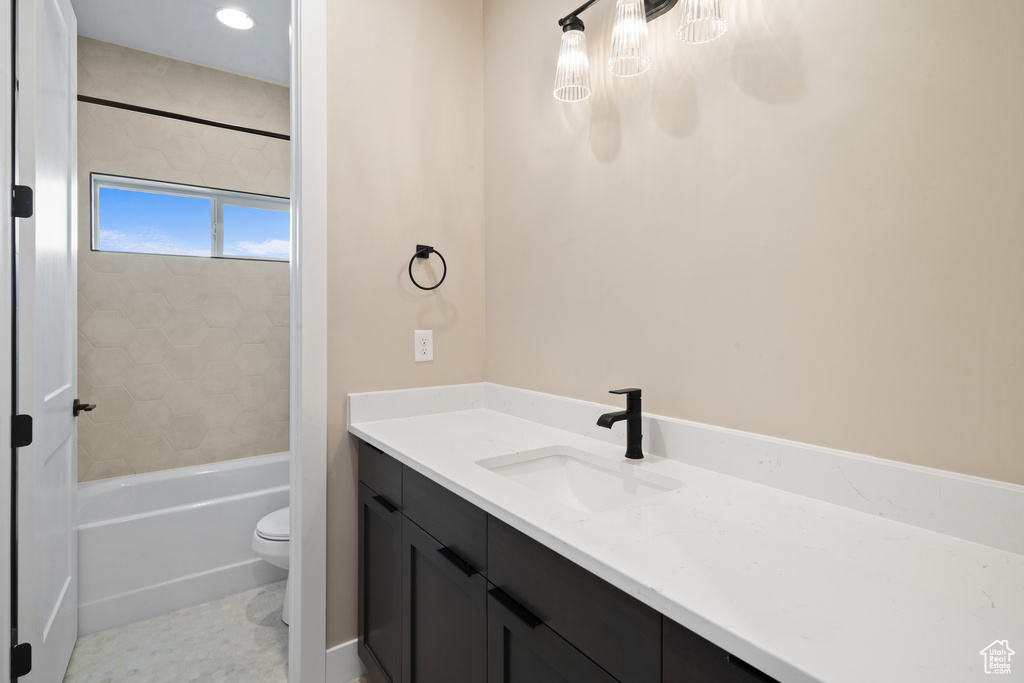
(802, 589)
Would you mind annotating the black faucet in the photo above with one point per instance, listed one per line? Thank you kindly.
(632, 416)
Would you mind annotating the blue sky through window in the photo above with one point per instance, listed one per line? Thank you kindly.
(152, 223)
(256, 232)
(134, 220)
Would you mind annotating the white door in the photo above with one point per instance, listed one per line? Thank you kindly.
(6, 315)
(47, 339)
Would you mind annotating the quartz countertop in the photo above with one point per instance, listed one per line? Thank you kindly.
(802, 589)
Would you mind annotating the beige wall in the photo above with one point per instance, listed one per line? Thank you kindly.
(406, 167)
(810, 229)
(186, 357)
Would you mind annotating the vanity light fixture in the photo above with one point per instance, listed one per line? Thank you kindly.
(235, 18)
(629, 39)
(702, 22)
(572, 76)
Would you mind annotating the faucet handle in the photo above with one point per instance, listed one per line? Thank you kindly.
(630, 393)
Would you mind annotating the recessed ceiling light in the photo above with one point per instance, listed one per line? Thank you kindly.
(235, 18)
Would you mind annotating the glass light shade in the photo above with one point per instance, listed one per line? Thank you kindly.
(703, 21)
(572, 76)
(629, 39)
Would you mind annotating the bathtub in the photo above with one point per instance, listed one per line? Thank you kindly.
(150, 544)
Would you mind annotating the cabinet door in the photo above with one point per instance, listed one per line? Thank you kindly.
(521, 649)
(380, 586)
(444, 613)
(688, 658)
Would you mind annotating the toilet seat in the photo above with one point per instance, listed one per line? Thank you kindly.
(270, 539)
(276, 526)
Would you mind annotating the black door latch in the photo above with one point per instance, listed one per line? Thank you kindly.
(80, 407)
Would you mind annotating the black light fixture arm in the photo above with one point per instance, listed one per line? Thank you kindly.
(653, 9)
(574, 18)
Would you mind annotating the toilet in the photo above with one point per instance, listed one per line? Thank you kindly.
(270, 541)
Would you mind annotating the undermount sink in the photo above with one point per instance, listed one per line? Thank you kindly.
(579, 479)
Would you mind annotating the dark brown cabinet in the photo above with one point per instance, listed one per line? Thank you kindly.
(618, 632)
(380, 586)
(422, 596)
(521, 649)
(688, 658)
(458, 524)
(449, 594)
(444, 613)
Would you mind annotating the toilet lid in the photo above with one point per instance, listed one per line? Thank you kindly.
(275, 526)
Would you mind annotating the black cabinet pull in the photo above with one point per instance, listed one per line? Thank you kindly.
(385, 503)
(508, 602)
(460, 564)
(740, 664)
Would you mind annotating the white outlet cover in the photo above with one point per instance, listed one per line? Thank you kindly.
(424, 345)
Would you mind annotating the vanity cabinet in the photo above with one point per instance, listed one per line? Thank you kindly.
(449, 594)
(522, 649)
(444, 592)
(458, 524)
(422, 596)
(380, 585)
(444, 613)
(619, 633)
(688, 658)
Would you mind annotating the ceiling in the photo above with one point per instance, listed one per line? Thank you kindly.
(188, 30)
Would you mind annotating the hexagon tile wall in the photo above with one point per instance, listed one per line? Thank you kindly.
(186, 357)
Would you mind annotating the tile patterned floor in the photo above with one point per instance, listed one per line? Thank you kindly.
(236, 639)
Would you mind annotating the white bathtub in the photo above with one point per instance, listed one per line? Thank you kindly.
(150, 544)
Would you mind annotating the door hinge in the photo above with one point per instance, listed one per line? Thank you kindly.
(21, 431)
(21, 660)
(21, 201)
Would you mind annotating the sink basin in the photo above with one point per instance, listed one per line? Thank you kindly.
(579, 479)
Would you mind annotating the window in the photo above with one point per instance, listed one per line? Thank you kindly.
(152, 217)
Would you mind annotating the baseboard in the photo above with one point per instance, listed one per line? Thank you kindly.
(343, 663)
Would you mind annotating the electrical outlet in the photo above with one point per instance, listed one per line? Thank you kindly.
(424, 345)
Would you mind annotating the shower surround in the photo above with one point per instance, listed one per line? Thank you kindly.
(186, 357)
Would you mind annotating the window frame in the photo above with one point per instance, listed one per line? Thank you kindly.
(218, 198)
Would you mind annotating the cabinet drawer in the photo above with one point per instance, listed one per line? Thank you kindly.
(455, 522)
(381, 472)
(688, 658)
(619, 633)
(521, 651)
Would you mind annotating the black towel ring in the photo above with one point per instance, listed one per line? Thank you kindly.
(423, 251)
